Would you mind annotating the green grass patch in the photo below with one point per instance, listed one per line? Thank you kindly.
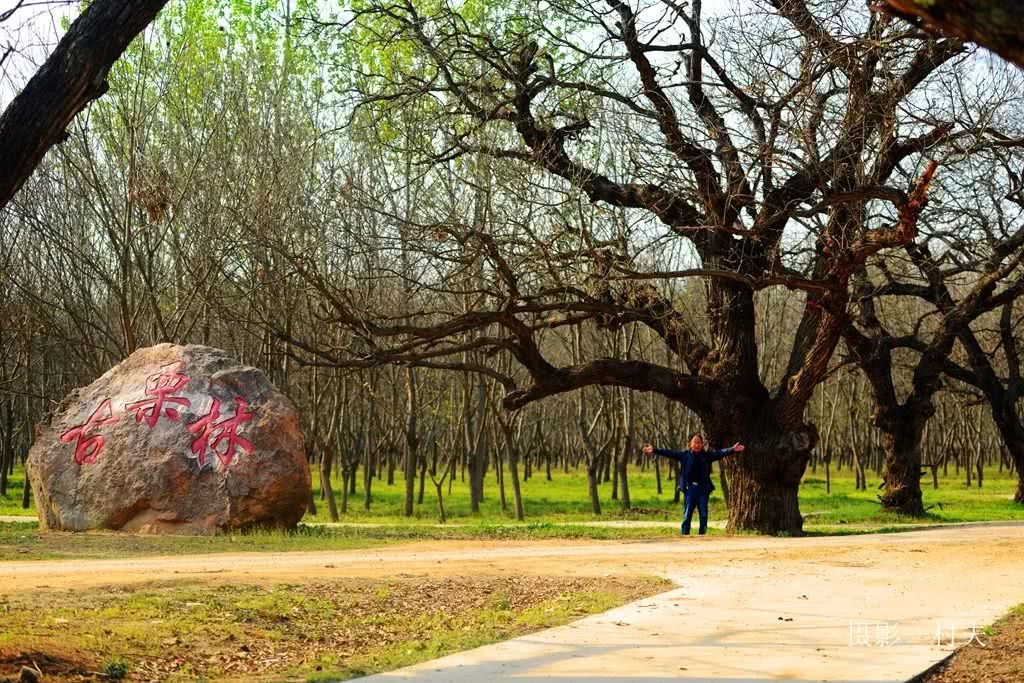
(319, 631)
(559, 508)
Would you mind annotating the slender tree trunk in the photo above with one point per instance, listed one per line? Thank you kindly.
(26, 494)
(439, 488)
(513, 470)
(724, 481)
(627, 448)
(423, 481)
(326, 462)
(593, 477)
(344, 487)
(411, 443)
(311, 501)
(367, 481)
(500, 474)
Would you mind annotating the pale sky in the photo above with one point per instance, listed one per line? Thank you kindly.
(29, 34)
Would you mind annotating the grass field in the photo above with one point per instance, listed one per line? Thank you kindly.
(564, 501)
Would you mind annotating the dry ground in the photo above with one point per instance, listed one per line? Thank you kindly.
(993, 655)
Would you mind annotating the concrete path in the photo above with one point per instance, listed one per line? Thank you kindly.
(838, 611)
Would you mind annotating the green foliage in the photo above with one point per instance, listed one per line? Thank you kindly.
(116, 669)
(477, 41)
(209, 70)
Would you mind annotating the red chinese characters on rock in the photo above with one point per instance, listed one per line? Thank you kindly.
(89, 444)
(160, 386)
(214, 432)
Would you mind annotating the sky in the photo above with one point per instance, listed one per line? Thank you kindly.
(27, 36)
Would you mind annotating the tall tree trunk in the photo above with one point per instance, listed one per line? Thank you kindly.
(411, 442)
(593, 477)
(423, 481)
(367, 477)
(627, 448)
(1012, 431)
(326, 462)
(26, 493)
(513, 470)
(344, 486)
(764, 480)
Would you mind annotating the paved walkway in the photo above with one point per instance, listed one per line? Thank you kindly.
(838, 611)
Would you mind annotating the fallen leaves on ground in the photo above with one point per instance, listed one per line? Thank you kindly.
(337, 629)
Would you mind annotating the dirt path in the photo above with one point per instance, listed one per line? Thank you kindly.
(747, 608)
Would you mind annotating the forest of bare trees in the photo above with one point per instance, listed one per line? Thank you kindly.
(504, 241)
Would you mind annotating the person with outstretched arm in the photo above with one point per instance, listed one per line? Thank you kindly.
(693, 477)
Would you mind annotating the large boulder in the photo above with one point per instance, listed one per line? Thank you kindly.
(179, 439)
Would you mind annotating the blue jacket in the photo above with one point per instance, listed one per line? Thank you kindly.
(694, 473)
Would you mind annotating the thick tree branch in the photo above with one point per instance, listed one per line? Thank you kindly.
(73, 76)
(995, 24)
(633, 374)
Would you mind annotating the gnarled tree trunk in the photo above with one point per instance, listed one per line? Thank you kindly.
(764, 481)
(1010, 428)
(903, 429)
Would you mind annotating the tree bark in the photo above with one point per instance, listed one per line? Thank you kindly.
(1010, 428)
(517, 495)
(73, 76)
(326, 462)
(411, 442)
(593, 474)
(764, 481)
(902, 443)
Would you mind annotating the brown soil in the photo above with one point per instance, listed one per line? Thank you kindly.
(54, 661)
(997, 658)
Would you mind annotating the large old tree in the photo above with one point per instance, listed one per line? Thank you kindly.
(777, 149)
(962, 278)
(74, 75)
(969, 266)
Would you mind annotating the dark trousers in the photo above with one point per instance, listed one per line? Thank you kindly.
(695, 498)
